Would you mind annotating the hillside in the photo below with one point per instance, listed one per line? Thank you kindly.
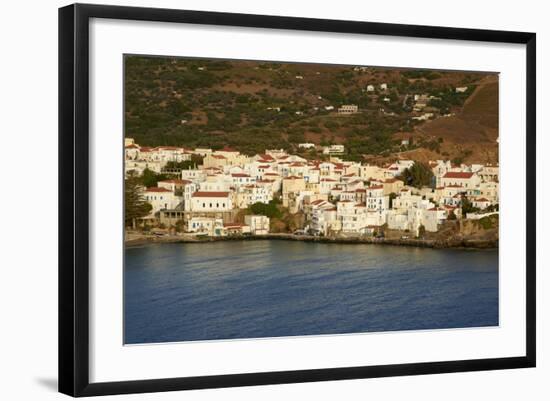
(256, 105)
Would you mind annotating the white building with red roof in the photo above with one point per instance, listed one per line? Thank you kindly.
(259, 225)
(375, 199)
(327, 184)
(247, 195)
(324, 219)
(216, 183)
(195, 175)
(433, 218)
(172, 153)
(215, 160)
(240, 179)
(174, 185)
(481, 203)
(292, 186)
(372, 172)
(352, 217)
(182, 188)
(139, 166)
(210, 226)
(161, 199)
(131, 151)
(211, 201)
(467, 180)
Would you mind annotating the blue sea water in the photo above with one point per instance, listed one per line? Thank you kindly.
(268, 288)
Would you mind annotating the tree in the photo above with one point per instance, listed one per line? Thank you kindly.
(418, 175)
(393, 195)
(186, 164)
(149, 178)
(421, 231)
(135, 206)
(266, 209)
(468, 207)
(452, 215)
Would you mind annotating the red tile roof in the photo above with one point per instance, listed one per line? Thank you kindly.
(233, 225)
(210, 194)
(176, 181)
(458, 174)
(157, 189)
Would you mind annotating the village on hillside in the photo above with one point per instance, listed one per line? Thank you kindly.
(215, 193)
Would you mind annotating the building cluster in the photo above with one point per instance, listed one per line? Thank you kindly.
(337, 197)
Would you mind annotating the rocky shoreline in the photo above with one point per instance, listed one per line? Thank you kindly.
(456, 242)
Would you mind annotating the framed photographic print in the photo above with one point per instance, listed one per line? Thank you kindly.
(249, 199)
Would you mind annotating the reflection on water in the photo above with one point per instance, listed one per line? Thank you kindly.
(251, 289)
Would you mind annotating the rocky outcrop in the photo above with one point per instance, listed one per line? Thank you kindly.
(455, 242)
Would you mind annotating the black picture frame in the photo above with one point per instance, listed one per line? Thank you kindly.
(74, 198)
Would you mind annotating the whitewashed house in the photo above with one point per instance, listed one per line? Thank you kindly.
(376, 201)
(481, 203)
(194, 175)
(202, 201)
(466, 180)
(259, 225)
(433, 218)
(161, 198)
(334, 150)
(205, 225)
(348, 109)
(249, 194)
(239, 179)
